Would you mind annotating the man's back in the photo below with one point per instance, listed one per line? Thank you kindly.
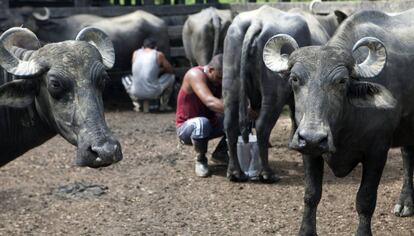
(145, 70)
(189, 104)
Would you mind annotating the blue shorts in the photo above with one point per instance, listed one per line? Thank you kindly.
(199, 128)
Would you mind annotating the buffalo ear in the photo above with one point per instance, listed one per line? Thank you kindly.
(18, 93)
(370, 95)
(340, 16)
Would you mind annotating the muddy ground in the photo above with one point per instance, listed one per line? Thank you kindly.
(154, 191)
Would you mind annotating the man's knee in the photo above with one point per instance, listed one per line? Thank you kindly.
(203, 129)
(195, 128)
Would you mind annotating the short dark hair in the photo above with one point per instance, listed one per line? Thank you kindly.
(150, 43)
(217, 63)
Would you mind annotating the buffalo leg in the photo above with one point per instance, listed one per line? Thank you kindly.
(313, 192)
(264, 125)
(367, 194)
(405, 205)
(234, 172)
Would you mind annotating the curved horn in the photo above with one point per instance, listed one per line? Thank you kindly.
(101, 41)
(375, 61)
(312, 5)
(272, 56)
(40, 17)
(20, 37)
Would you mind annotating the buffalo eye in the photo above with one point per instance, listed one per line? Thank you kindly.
(341, 80)
(294, 79)
(55, 87)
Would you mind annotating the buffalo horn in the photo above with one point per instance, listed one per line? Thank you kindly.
(375, 61)
(101, 41)
(19, 37)
(41, 17)
(312, 5)
(272, 56)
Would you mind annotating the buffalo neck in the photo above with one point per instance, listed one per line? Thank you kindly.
(21, 130)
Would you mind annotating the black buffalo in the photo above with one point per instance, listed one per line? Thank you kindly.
(127, 32)
(354, 101)
(204, 33)
(57, 90)
(247, 80)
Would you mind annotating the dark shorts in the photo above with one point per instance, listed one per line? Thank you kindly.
(199, 128)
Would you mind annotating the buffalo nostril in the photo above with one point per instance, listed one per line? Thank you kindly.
(315, 139)
(301, 141)
(323, 143)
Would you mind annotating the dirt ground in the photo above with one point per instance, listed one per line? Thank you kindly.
(154, 191)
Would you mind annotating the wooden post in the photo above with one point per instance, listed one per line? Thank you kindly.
(199, 1)
(83, 3)
(116, 2)
(148, 2)
(166, 2)
(145, 106)
(179, 2)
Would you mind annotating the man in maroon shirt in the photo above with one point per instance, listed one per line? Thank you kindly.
(200, 109)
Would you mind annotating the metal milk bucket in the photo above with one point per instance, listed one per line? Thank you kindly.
(248, 155)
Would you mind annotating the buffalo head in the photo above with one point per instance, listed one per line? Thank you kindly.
(65, 82)
(326, 83)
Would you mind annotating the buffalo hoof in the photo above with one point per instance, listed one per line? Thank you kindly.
(237, 176)
(363, 231)
(255, 178)
(268, 177)
(403, 211)
(307, 230)
(307, 234)
(405, 205)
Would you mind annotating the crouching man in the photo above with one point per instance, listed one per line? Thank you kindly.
(152, 76)
(199, 115)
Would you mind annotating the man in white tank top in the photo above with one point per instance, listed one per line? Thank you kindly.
(152, 76)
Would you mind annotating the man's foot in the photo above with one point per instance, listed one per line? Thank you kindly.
(201, 168)
(220, 157)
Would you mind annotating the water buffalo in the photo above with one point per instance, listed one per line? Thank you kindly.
(25, 16)
(353, 100)
(203, 34)
(246, 79)
(127, 32)
(57, 89)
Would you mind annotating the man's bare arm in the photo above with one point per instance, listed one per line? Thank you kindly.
(200, 88)
(164, 63)
(134, 56)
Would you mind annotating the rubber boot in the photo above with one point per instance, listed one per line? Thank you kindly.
(201, 164)
(220, 155)
(165, 98)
